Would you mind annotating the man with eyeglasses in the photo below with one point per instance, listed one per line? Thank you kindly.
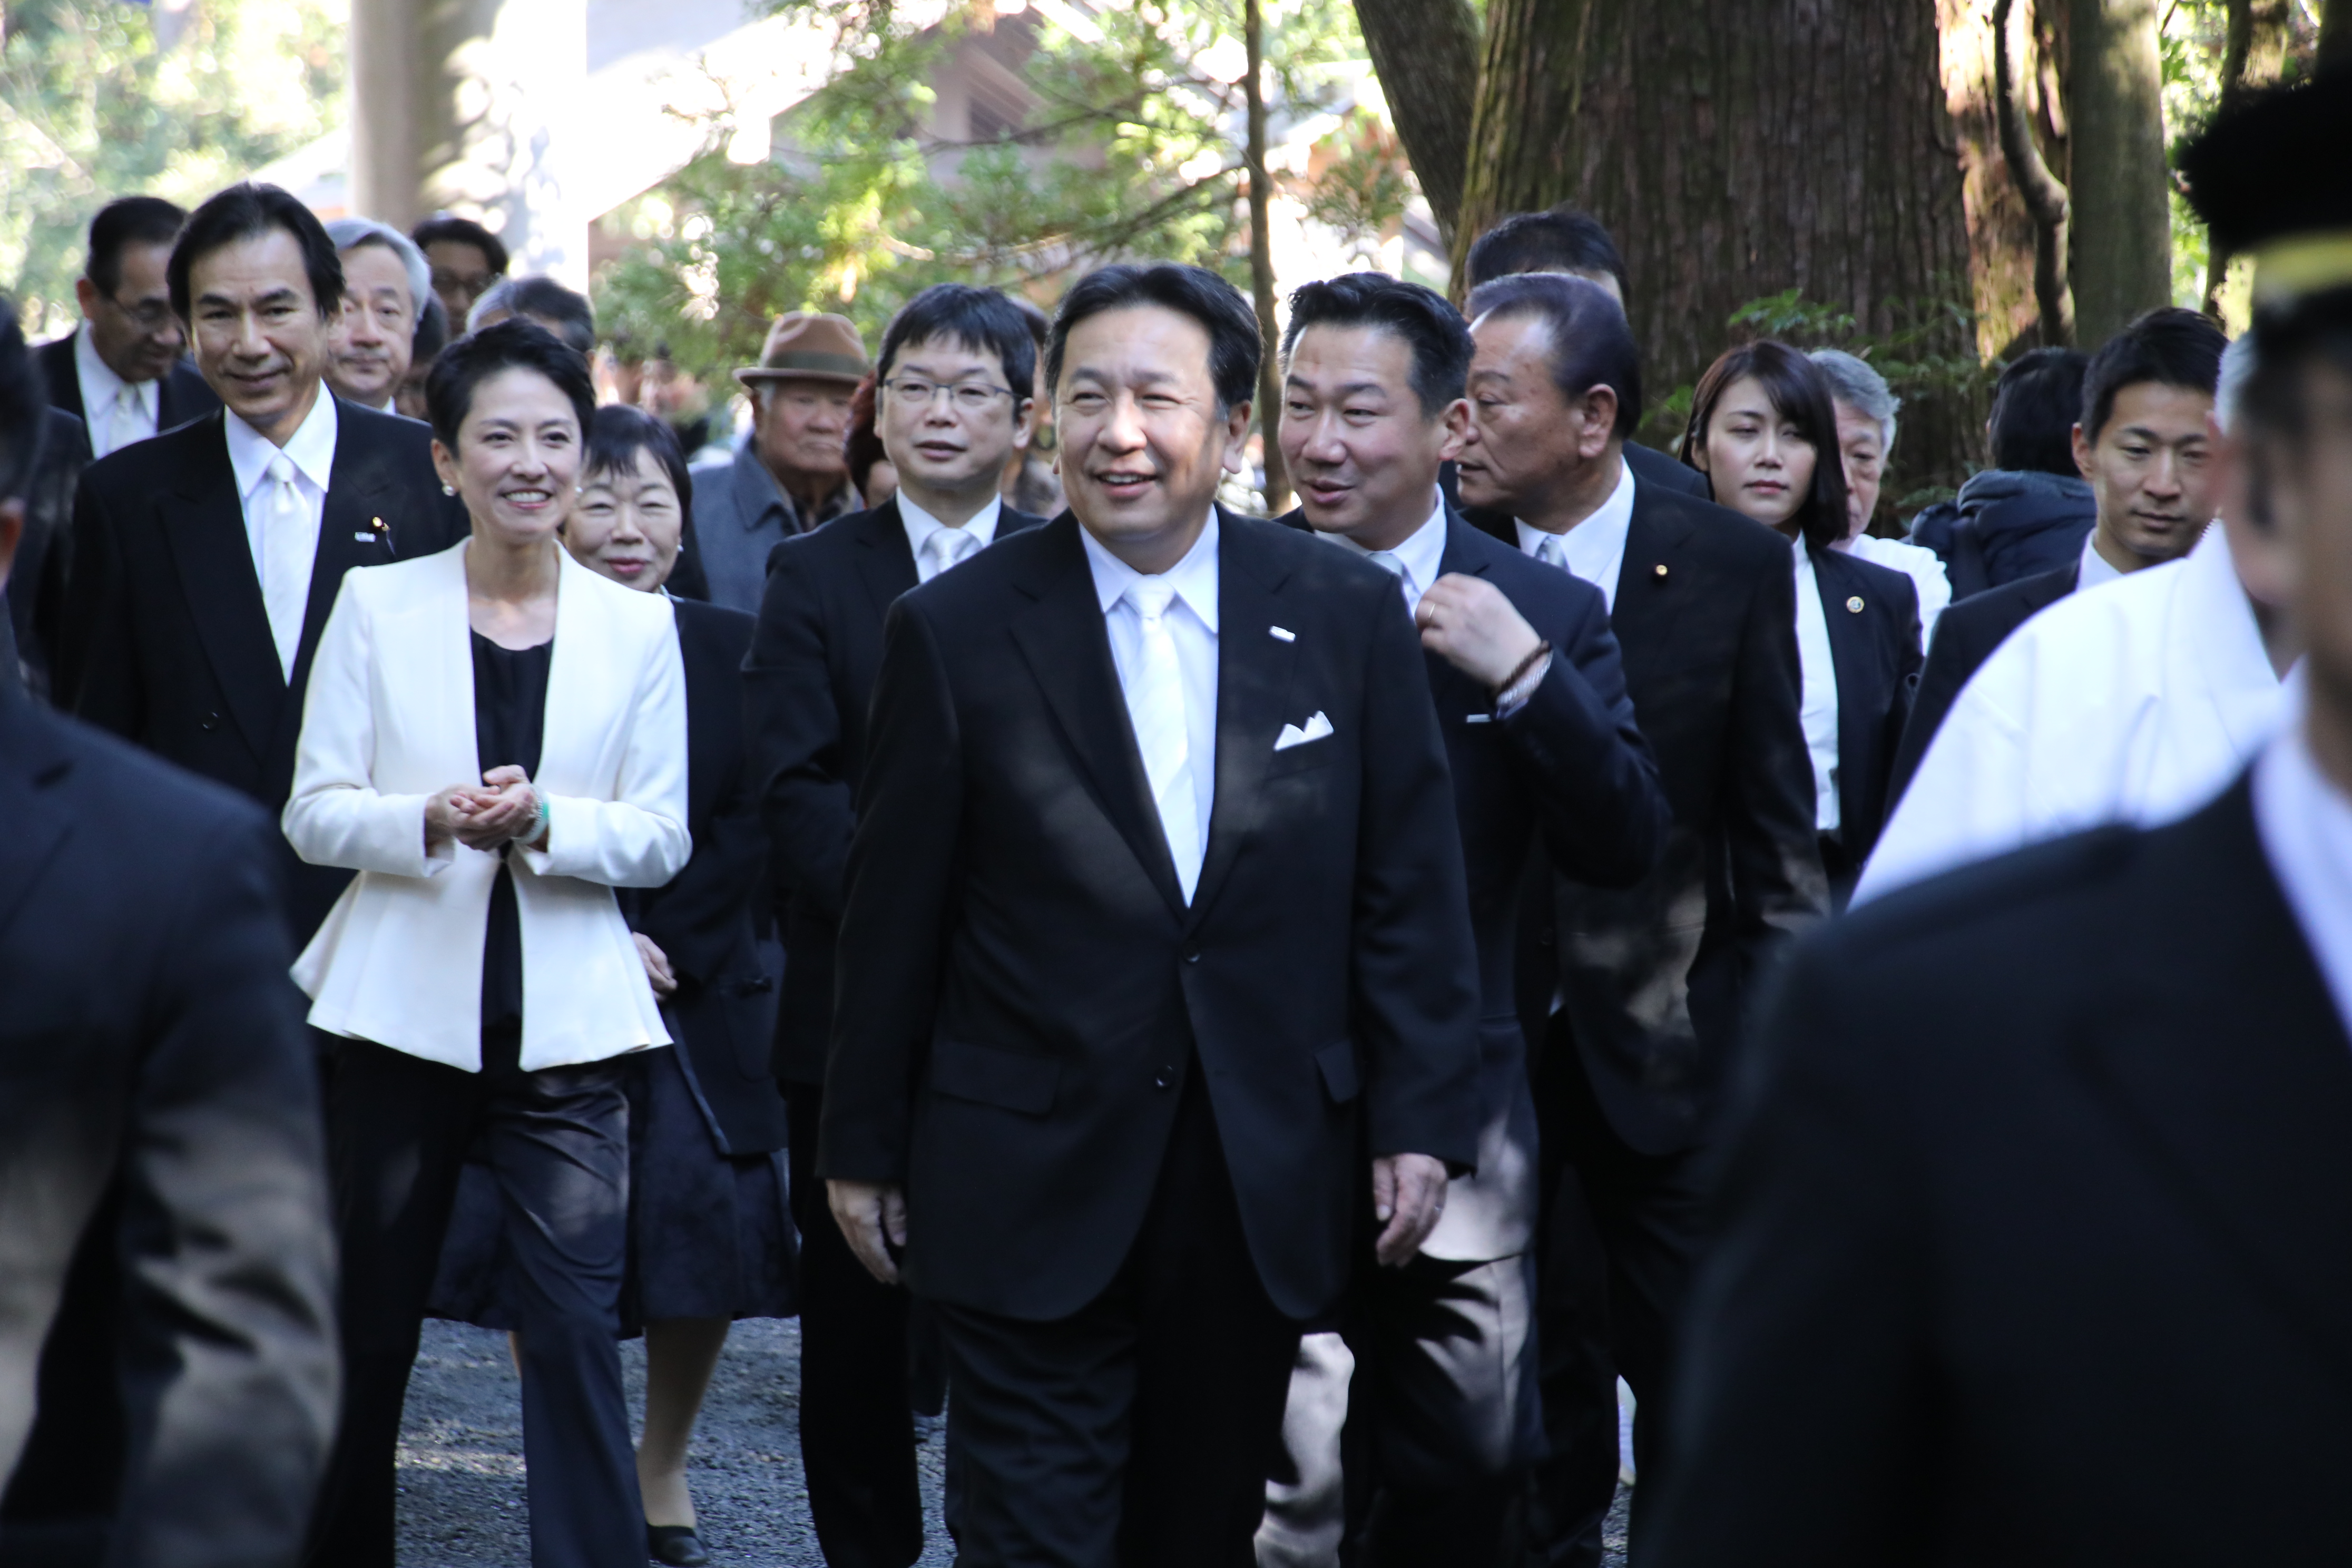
(121, 373)
(790, 474)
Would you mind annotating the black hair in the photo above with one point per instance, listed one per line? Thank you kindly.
(1423, 318)
(512, 345)
(618, 431)
(2034, 405)
(984, 320)
(2169, 345)
(542, 295)
(462, 231)
(248, 212)
(1565, 239)
(432, 334)
(24, 406)
(861, 444)
(1195, 292)
(132, 220)
(1802, 394)
(1591, 343)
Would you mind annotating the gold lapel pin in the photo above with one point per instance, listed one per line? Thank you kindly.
(1854, 604)
(1661, 568)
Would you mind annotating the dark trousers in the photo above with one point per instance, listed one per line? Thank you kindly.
(856, 1411)
(1139, 1430)
(557, 1142)
(1616, 1243)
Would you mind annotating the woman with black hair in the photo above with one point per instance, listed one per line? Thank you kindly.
(495, 738)
(1763, 430)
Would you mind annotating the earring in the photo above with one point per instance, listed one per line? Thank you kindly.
(448, 490)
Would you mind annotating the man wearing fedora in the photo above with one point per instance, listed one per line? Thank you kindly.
(788, 476)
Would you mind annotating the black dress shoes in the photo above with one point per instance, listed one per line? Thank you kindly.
(675, 1544)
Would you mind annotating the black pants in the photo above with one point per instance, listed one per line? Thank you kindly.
(398, 1130)
(1139, 1430)
(858, 1428)
(1618, 1234)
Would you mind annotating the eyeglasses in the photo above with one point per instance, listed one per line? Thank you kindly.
(152, 318)
(972, 396)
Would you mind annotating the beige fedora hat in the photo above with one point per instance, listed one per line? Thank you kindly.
(805, 345)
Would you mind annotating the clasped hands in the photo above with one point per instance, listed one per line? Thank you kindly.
(498, 810)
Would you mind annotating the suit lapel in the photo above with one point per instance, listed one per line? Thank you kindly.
(886, 561)
(204, 526)
(31, 764)
(1650, 596)
(1849, 634)
(1253, 670)
(1455, 693)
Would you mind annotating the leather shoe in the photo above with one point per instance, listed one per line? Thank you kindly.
(675, 1544)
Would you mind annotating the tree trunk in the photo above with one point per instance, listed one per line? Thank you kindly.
(1269, 374)
(2122, 189)
(1425, 53)
(2044, 197)
(2253, 56)
(2001, 232)
(1522, 125)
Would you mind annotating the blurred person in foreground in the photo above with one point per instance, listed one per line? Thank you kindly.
(373, 340)
(1866, 408)
(159, 1105)
(123, 372)
(2033, 1227)
(2032, 509)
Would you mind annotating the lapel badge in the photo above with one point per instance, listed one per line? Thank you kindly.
(1854, 604)
(1661, 568)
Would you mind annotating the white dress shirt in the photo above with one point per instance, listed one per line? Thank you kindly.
(1818, 710)
(1922, 566)
(922, 525)
(115, 412)
(1193, 625)
(1594, 549)
(2305, 825)
(2094, 569)
(1416, 558)
(310, 451)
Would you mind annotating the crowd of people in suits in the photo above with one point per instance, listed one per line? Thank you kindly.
(1267, 1023)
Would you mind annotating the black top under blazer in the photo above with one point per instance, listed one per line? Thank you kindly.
(1966, 635)
(164, 638)
(1022, 988)
(182, 395)
(807, 682)
(1872, 614)
(2036, 1214)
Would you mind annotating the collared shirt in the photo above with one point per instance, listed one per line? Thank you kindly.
(312, 450)
(2305, 821)
(1418, 554)
(1819, 708)
(920, 525)
(740, 514)
(1194, 632)
(2094, 569)
(111, 424)
(1595, 548)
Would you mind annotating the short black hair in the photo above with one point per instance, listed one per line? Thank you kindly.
(132, 220)
(540, 295)
(2169, 345)
(619, 431)
(1591, 345)
(1234, 345)
(248, 212)
(513, 344)
(1565, 239)
(1800, 389)
(2034, 405)
(23, 408)
(463, 231)
(1424, 319)
(984, 321)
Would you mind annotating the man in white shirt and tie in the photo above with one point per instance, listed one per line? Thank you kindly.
(121, 373)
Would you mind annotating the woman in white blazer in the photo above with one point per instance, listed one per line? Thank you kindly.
(495, 738)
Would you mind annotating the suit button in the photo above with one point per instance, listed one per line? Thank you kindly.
(1165, 1079)
(210, 721)
(1192, 955)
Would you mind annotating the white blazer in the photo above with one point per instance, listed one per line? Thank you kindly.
(389, 720)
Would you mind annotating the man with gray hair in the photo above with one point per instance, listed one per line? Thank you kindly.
(386, 282)
(1866, 423)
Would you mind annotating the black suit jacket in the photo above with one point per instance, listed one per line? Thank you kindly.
(1872, 614)
(156, 1079)
(1023, 988)
(1654, 978)
(2006, 1269)
(164, 639)
(807, 684)
(36, 589)
(183, 395)
(1966, 635)
(724, 1012)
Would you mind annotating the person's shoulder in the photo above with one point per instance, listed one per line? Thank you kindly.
(1891, 582)
(719, 626)
(162, 460)
(373, 428)
(1537, 590)
(1715, 530)
(1279, 548)
(2001, 609)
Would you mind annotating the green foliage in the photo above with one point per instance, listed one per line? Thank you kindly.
(92, 108)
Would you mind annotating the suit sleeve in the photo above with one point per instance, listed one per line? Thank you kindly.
(1777, 881)
(1802, 1396)
(1588, 769)
(230, 1360)
(97, 674)
(895, 919)
(795, 738)
(1414, 959)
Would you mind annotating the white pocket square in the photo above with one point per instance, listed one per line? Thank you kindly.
(1292, 735)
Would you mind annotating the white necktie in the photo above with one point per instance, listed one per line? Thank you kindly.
(1155, 704)
(1552, 552)
(285, 560)
(124, 424)
(1387, 562)
(946, 547)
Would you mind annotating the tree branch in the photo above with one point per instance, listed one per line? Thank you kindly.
(2045, 198)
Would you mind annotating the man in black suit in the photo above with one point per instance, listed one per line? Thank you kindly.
(1542, 747)
(205, 564)
(157, 1106)
(2021, 1271)
(39, 576)
(953, 410)
(1156, 946)
(121, 373)
(1636, 995)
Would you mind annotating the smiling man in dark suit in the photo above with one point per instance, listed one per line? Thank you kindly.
(206, 561)
(953, 410)
(121, 373)
(1156, 970)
